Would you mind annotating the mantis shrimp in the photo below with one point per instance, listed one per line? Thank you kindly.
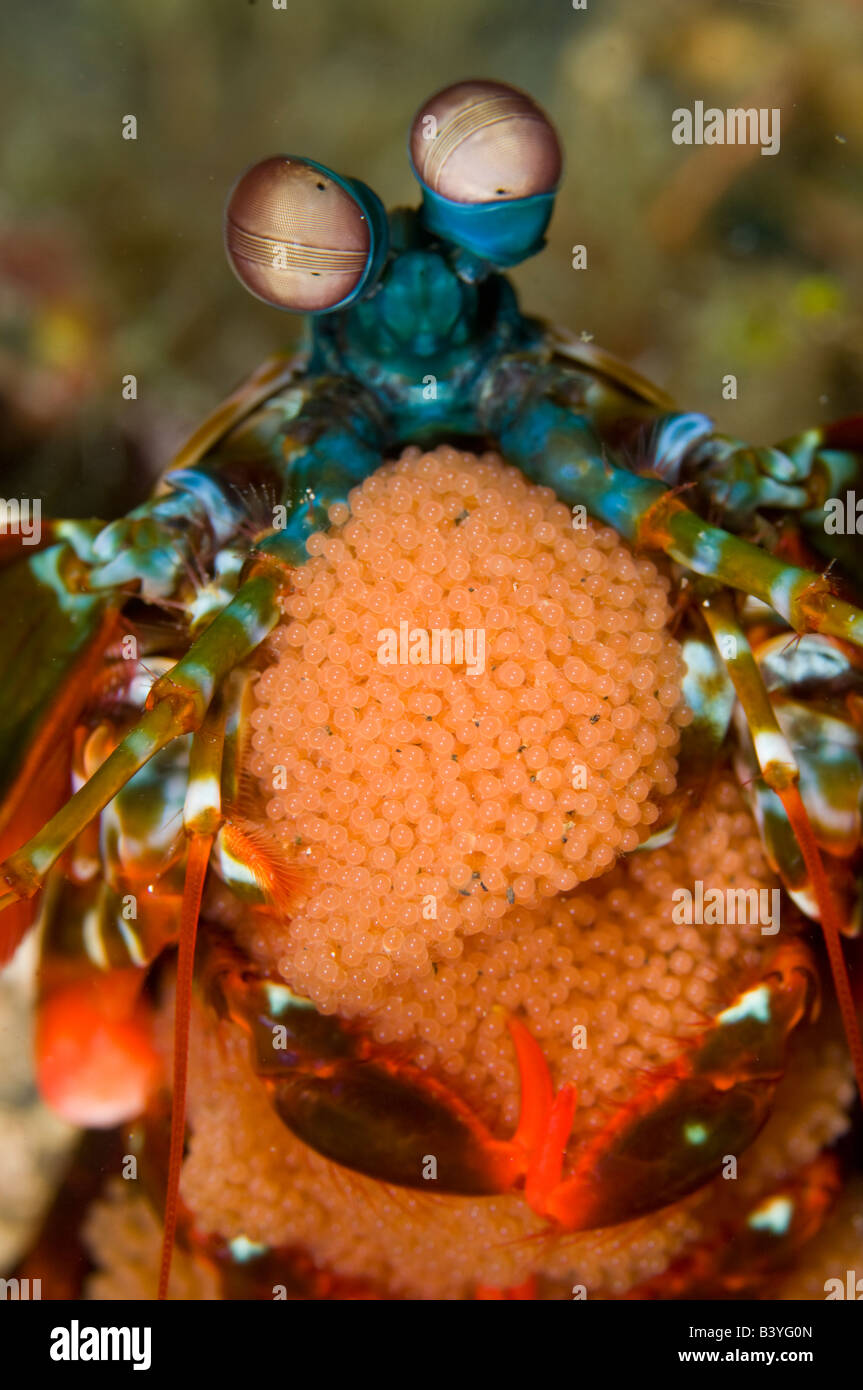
(672, 648)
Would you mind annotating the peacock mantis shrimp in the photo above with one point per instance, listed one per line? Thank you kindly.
(132, 651)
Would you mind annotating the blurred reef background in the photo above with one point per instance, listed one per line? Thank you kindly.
(701, 261)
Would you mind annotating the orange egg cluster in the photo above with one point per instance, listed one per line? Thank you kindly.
(432, 789)
(609, 959)
(471, 830)
(247, 1175)
(605, 979)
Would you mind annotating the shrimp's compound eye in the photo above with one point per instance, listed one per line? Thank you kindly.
(488, 160)
(300, 237)
(484, 142)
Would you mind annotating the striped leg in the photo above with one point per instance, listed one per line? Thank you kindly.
(781, 773)
(202, 817)
(334, 442)
(177, 705)
(559, 449)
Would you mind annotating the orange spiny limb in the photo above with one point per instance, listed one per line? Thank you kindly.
(546, 1168)
(196, 872)
(831, 923)
(251, 857)
(537, 1092)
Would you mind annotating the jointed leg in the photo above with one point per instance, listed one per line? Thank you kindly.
(202, 816)
(560, 450)
(780, 772)
(178, 703)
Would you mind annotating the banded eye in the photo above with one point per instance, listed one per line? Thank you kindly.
(484, 142)
(297, 236)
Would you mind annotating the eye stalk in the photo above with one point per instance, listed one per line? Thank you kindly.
(302, 238)
(489, 162)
